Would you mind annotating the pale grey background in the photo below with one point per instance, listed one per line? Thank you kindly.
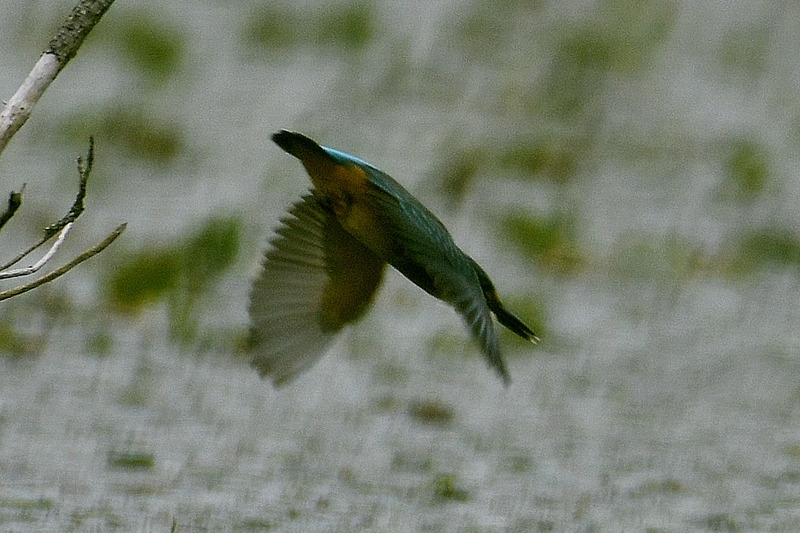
(664, 396)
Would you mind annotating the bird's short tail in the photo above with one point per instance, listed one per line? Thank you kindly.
(505, 317)
(513, 323)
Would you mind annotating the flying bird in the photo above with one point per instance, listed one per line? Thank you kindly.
(327, 259)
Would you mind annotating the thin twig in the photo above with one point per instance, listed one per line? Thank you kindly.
(66, 268)
(14, 201)
(84, 169)
(41, 262)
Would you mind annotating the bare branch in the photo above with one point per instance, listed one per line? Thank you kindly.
(62, 48)
(61, 228)
(66, 268)
(41, 262)
(80, 22)
(19, 107)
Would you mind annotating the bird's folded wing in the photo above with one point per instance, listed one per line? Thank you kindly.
(315, 279)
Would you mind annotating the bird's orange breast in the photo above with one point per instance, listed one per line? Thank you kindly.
(347, 189)
(336, 180)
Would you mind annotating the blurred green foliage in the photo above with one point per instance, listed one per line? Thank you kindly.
(349, 26)
(541, 158)
(623, 37)
(99, 343)
(25, 504)
(131, 128)
(206, 254)
(719, 522)
(255, 524)
(747, 170)
(182, 274)
(445, 488)
(272, 26)
(457, 171)
(548, 242)
(142, 134)
(210, 250)
(645, 257)
(154, 48)
(759, 248)
(432, 412)
(132, 460)
(792, 450)
(144, 277)
(517, 464)
(411, 462)
(14, 343)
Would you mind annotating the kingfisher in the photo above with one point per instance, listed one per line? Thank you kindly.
(327, 258)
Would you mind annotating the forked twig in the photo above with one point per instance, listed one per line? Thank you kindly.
(84, 169)
(60, 228)
(50, 276)
(5, 274)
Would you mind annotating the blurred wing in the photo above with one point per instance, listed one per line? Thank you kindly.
(315, 279)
